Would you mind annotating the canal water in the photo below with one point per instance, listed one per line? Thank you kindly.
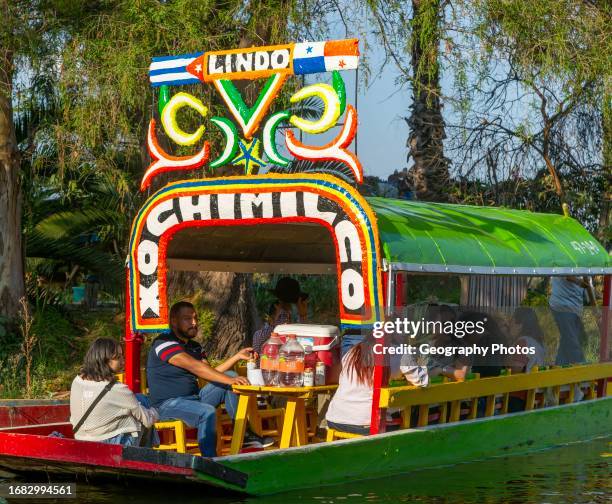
(575, 473)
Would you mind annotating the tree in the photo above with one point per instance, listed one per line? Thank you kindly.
(419, 36)
(536, 103)
(426, 139)
(21, 43)
(11, 255)
(108, 103)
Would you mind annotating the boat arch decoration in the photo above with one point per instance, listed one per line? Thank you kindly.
(274, 198)
(254, 133)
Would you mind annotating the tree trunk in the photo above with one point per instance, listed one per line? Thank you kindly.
(12, 287)
(603, 231)
(234, 325)
(425, 142)
(230, 297)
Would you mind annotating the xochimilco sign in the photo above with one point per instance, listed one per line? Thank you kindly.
(255, 198)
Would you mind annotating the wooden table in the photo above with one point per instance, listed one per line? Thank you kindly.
(294, 424)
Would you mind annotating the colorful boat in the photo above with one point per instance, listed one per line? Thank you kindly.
(24, 438)
(321, 224)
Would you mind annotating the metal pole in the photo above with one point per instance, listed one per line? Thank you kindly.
(356, 101)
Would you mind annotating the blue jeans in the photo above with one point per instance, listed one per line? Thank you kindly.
(200, 411)
(125, 439)
(571, 331)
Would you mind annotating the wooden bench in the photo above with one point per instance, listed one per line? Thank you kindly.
(496, 391)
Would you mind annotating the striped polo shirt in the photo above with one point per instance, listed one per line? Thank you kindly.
(165, 380)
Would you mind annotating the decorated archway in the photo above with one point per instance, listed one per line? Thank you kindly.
(324, 200)
(274, 188)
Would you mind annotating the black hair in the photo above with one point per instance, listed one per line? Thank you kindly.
(96, 363)
(440, 313)
(271, 312)
(526, 318)
(177, 307)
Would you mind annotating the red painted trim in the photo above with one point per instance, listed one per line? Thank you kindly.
(385, 284)
(13, 416)
(133, 342)
(381, 372)
(44, 429)
(132, 361)
(399, 289)
(604, 340)
(77, 452)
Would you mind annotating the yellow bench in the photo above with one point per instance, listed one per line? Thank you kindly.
(449, 396)
(178, 428)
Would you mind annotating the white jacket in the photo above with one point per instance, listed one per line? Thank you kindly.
(118, 412)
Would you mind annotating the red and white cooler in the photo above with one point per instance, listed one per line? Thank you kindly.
(324, 340)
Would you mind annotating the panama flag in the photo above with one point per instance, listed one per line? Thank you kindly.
(314, 57)
(172, 70)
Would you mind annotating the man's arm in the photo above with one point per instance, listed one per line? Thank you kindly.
(244, 354)
(203, 370)
(587, 284)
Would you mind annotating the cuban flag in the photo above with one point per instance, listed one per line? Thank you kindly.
(314, 57)
(172, 70)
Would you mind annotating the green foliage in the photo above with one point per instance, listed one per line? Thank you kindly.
(567, 39)
(57, 350)
(433, 288)
(538, 94)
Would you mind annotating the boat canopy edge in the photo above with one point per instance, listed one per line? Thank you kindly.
(447, 238)
(491, 270)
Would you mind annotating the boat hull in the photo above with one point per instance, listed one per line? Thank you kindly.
(403, 451)
(27, 449)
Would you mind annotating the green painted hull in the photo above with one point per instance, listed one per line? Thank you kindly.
(399, 452)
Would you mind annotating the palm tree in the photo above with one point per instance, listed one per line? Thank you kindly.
(425, 141)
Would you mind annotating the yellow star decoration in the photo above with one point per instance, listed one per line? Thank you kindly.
(249, 155)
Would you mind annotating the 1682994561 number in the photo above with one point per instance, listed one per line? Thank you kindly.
(38, 490)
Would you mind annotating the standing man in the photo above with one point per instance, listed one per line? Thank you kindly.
(566, 303)
(287, 293)
(174, 365)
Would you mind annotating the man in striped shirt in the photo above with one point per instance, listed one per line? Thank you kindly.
(175, 363)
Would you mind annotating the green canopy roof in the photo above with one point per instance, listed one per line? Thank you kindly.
(435, 237)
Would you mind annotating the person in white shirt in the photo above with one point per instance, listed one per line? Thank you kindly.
(528, 334)
(350, 409)
(118, 417)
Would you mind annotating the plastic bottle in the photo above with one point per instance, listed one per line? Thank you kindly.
(291, 363)
(310, 357)
(269, 359)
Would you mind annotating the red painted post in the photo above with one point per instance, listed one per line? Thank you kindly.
(604, 333)
(385, 282)
(133, 343)
(381, 375)
(399, 289)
